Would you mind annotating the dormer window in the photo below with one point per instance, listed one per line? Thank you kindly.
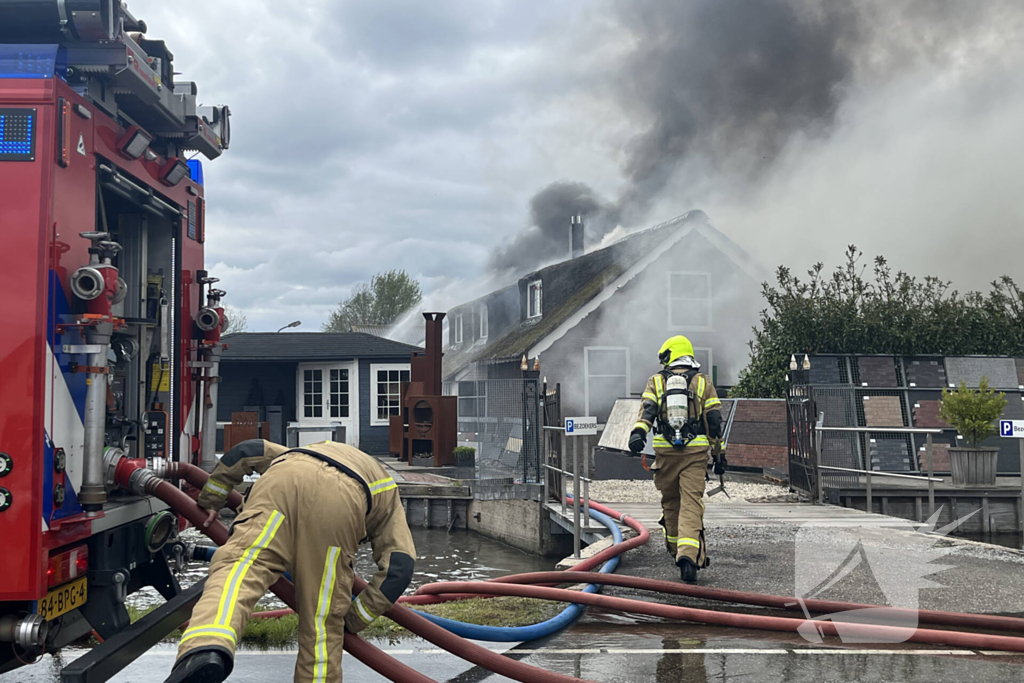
(483, 322)
(534, 300)
(457, 329)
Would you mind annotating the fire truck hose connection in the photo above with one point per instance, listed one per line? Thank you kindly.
(26, 632)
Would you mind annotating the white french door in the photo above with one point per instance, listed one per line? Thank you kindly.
(328, 397)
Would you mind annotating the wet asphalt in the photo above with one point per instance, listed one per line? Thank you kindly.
(625, 653)
(615, 648)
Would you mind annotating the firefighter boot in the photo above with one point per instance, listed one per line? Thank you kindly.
(201, 666)
(687, 570)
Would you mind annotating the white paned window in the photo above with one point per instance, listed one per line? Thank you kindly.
(339, 392)
(534, 300)
(483, 322)
(386, 391)
(458, 329)
(689, 301)
(313, 393)
(607, 378)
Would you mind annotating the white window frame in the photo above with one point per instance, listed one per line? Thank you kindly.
(586, 372)
(537, 285)
(374, 394)
(324, 381)
(458, 329)
(707, 369)
(710, 303)
(352, 422)
(484, 322)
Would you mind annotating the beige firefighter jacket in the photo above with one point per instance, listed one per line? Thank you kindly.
(386, 527)
(249, 457)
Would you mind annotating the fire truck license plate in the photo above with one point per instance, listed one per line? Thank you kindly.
(63, 599)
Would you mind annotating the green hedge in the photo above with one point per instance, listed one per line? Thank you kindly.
(881, 312)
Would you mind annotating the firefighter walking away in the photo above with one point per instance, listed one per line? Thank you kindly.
(306, 515)
(682, 408)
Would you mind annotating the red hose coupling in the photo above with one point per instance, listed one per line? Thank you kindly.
(124, 470)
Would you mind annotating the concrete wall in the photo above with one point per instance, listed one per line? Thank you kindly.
(523, 524)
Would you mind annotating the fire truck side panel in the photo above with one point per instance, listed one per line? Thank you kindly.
(191, 261)
(73, 212)
(24, 227)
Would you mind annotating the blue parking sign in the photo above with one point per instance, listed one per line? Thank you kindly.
(568, 426)
(1006, 427)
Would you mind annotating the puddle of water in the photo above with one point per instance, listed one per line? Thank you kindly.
(460, 556)
(1008, 540)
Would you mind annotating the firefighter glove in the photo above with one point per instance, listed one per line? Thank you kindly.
(720, 464)
(637, 439)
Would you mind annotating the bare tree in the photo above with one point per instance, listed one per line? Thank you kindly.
(234, 321)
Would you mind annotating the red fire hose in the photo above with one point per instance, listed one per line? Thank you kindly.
(196, 477)
(976, 641)
(981, 621)
(643, 535)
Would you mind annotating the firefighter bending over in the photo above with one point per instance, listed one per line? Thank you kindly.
(307, 516)
(681, 406)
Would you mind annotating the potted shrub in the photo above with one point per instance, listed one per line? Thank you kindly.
(973, 414)
(464, 456)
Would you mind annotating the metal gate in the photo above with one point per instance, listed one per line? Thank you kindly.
(553, 438)
(502, 419)
(801, 419)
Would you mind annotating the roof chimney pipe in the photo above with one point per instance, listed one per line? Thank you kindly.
(576, 236)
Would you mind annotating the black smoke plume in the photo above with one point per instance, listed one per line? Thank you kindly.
(720, 87)
(547, 238)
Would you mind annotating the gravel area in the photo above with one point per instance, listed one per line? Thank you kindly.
(643, 491)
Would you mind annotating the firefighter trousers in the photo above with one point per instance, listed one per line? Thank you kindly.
(304, 517)
(679, 477)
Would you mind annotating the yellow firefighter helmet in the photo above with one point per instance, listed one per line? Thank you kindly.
(675, 348)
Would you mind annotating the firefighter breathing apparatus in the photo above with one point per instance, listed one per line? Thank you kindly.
(678, 428)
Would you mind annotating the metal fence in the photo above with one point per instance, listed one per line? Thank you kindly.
(859, 429)
(502, 419)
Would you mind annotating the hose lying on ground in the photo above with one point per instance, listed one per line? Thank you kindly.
(643, 535)
(508, 586)
(978, 641)
(895, 614)
(516, 634)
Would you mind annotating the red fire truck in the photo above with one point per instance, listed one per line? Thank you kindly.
(110, 326)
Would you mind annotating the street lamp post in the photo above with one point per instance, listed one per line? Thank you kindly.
(296, 323)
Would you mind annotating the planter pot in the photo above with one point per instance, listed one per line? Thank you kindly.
(973, 466)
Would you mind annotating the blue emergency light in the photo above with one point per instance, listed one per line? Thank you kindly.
(17, 134)
(195, 171)
(33, 61)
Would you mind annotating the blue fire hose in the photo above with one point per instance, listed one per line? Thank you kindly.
(510, 634)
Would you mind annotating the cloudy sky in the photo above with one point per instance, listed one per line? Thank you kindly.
(427, 136)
